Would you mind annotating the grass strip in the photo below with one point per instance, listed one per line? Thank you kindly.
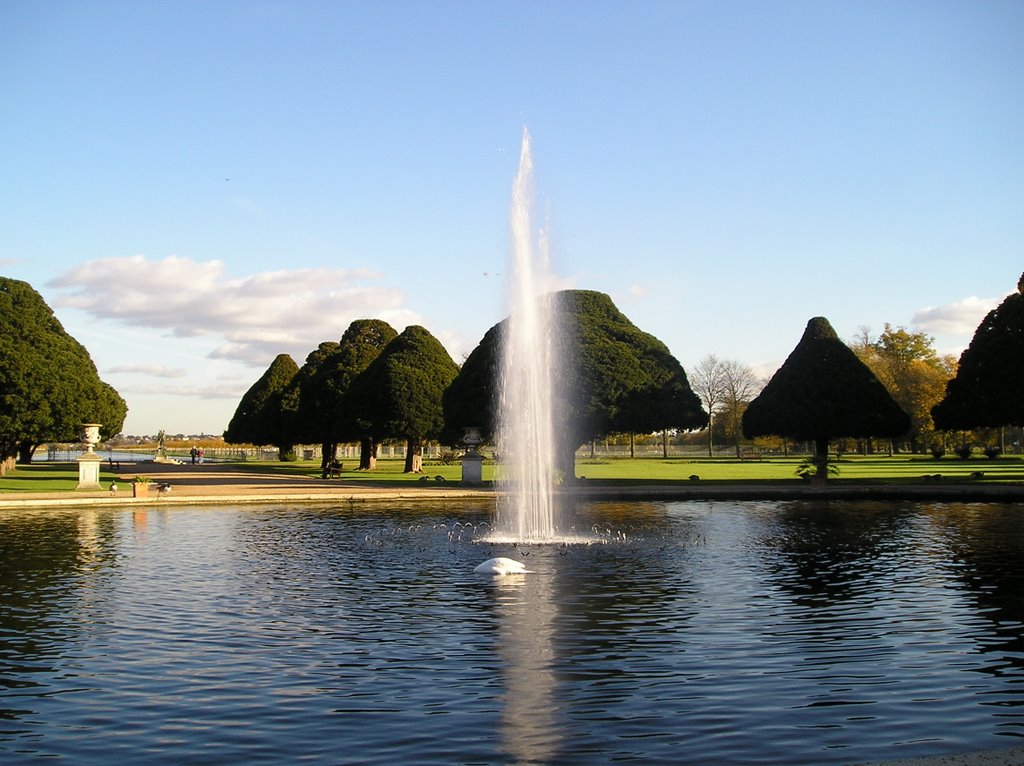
(899, 469)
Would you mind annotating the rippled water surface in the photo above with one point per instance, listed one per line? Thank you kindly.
(697, 632)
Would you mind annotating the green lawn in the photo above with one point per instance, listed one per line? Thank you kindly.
(876, 468)
(62, 477)
(46, 477)
(900, 468)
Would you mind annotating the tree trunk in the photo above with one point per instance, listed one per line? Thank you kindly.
(711, 423)
(664, 444)
(25, 452)
(565, 461)
(367, 454)
(820, 461)
(414, 455)
(632, 445)
(328, 454)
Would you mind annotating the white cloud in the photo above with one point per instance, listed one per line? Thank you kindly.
(258, 316)
(153, 370)
(960, 318)
(224, 391)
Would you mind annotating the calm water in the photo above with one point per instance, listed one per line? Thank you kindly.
(693, 632)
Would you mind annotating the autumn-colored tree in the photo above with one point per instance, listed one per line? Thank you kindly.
(913, 372)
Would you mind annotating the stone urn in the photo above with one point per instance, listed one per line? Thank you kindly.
(90, 436)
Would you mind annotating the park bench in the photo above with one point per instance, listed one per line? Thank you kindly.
(334, 470)
(750, 455)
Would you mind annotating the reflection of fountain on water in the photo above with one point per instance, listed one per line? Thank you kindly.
(527, 614)
(525, 431)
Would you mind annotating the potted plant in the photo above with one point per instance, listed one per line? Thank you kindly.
(140, 486)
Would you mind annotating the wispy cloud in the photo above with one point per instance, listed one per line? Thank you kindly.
(960, 318)
(258, 316)
(225, 391)
(153, 370)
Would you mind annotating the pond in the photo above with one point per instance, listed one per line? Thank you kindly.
(685, 632)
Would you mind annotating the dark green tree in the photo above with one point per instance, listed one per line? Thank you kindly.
(987, 389)
(612, 377)
(823, 392)
(319, 411)
(49, 384)
(306, 403)
(260, 417)
(398, 396)
(360, 345)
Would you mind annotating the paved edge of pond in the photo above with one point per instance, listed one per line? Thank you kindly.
(212, 483)
(1012, 757)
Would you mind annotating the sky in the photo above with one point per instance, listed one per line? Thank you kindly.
(196, 187)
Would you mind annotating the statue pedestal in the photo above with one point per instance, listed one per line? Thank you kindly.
(472, 468)
(472, 461)
(89, 471)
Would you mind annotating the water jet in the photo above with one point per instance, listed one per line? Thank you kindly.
(525, 438)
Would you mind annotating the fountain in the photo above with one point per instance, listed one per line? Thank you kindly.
(525, 433)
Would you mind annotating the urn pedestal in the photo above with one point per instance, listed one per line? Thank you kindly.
(89, 462)
(472, 461)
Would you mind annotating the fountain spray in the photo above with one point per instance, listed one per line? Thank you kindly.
(525, 429)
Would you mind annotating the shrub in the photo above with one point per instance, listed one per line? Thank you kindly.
(992, 452)
(964, 452)
(448, 457)
(938, 452)
(808, 469)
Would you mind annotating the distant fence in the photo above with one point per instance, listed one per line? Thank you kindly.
(62, 454)
(691, 451)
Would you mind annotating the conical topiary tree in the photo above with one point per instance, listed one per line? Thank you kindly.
(612, 377)
(987, 389)
(822, 392)
(398, 395)
(260, 417)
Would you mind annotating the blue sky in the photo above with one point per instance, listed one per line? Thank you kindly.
(195, 187)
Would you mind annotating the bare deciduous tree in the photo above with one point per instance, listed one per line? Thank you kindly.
(708, 382)
(740, 385)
